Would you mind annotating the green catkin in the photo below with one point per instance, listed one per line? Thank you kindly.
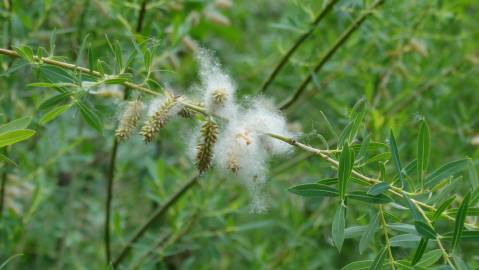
(129, 120)
(204, 154)
(158, 120)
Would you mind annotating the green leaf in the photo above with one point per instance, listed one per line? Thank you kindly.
(147, 60)
(473, 175)
(420, 250)
(92, 118)
(465, 235)
(55, 74)
(15, 136)
(346, 161)
(368, 234)
(441, 208)
(378, 261)
(378, 188)
(412, 207)
(328, 181)
(54, 113)
(47, 104)
(423, 150)
(25, 52)
(460, 218)
(446, 171)
(359, 265)
(471, 211)
(425, 230)
(314, 190)
(364, 197)
(51, 85)
(430, 258)
(5, 159)
(19, 123)
(7, 261)
(91, 59)
(395, 157)
(405, 240)
(339, 223)
(118, 56)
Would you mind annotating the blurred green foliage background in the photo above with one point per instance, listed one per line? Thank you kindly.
(410, 60)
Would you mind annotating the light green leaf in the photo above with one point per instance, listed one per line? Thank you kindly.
(54, 113)
(395, 157)
(359, 265)
(459, 224)
(5, 159)
(368, 234)
(405, 240)
(412, 207)
(339, 223)
(25, 52)
(364, 197)
(446, 171)
(430, 258)
(19, 123)
(423, 150)
(314, 190)
(15, 136)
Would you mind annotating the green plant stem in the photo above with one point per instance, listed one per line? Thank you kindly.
(3, 186)
(296, 44)
(386, 237)
(109, 197)
(337, 44)
(157, 214)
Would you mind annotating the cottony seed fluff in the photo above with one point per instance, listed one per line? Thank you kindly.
(129, 120)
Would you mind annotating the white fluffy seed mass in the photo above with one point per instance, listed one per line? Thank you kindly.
(217, 87)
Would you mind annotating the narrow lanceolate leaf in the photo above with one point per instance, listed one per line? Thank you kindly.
(412, 207)
(364, 197)
(54, 113)
(465, 235)
(314, 190)
(19, 123)
(460, 218)
(420, 251)
(430, 258)
(378, 261)
(55, 100)
(425, 230)
(405, 240)
(339, 224)
(5, 159)
(423, 150)
(395, 156)
(15, 136)
(378, 188)
(471, 211)
(445, 171)
(368, 234)
(90, 116)
(359, 265)
(346, 161)
(441, 208)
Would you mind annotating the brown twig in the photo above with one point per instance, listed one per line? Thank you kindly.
(337, 44)
(296, 45)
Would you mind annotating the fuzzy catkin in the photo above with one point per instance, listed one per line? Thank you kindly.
(158, 118)
(204, 154)
(129, 120)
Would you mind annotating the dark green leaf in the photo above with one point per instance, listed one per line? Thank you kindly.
(364, 197)
(471, 211)
(460, 218)
(446, 171)
(55, 74)
(430, 258)
(378, 188)
(441, 208)
(412, 207)
(420, 250)
(314, 190)
(395, 157)
(425, 230)
(465, 235)
(339, 223)
(5, 159)
(405, 240)
(423, 150)
(47, 104)
(359, 265)
(378, 261)
(328, 181)
(346, 161)
(92, 118)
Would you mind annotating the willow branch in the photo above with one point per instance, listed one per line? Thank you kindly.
(337, 44)
(141, 16)
(296, 44)
(155, 216)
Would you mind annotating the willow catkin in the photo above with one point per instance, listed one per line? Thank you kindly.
(159, 118)
(129, 120)
(204, 154)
